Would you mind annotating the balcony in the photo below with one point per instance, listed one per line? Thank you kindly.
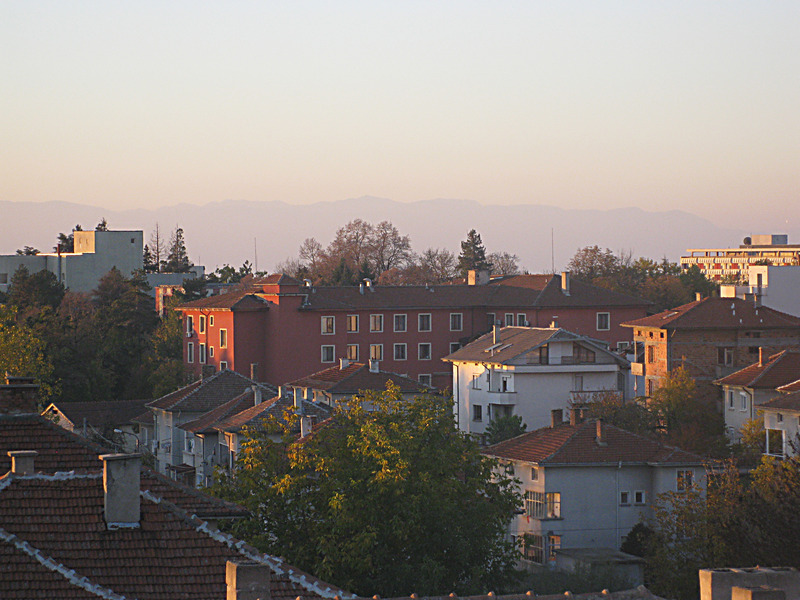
(498, 397)
(578, 397)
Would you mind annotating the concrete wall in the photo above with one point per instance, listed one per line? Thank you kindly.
(788, 423)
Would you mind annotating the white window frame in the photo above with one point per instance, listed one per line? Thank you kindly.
(684, 479)
(404, 318)
(350, 320)
(211, 351)
(422, 345)
(521, 321)
(534, 473)
(201, 324)
(376, 352)
(420, 319)
(624, 498)
(331, 350)
(425, 379)
(477, 413)
(731, 400)
(189, 325)
(201, 353)
(374, 320)
(476, 382)
(210, 320)
(352, 355)
(404, 348)
(190, 352)
(223, 364)
(605, 316)
(223, 338)
(508, 319)
(639, 497)
(743, 402)
(327, 325)
(459, 317)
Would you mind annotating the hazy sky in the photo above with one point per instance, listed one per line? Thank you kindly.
(692, 105)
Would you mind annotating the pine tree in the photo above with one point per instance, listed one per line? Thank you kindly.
(102, 225)
(473, 254)
(148, 261)
(177, 258)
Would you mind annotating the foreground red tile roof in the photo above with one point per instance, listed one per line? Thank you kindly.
(274, 408)
(355, 378)
(778, 370)
(577, 444)
(718, 313)
(99, 414)
(54, 543)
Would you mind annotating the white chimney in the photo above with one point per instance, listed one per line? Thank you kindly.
(298, 404)
(343, 363)
(247, 580)
(257, 397)
(361, 288)
(306, 424)
(374, 365)
(121, 484)
(22, 461)
(565, 282)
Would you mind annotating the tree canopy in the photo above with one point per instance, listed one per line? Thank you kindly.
(387, 501)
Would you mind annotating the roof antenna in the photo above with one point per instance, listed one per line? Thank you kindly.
(552, 252)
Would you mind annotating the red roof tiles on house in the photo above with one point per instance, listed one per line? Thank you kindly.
(577, 444)
(718, 313)
(207, 394)
(354, 378)
(99, 415)
(783, 402)
(778, 370)
(274, 408)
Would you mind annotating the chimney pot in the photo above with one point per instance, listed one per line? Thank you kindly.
(761, 356)
(306, 424)
(22, 461)
(698, 296)
(343, 363)
(556, 417)
(575, 416)
(257, 397)
(121, 485)
(254, 371)
(247, 580)
(601, 439)
(374, 365)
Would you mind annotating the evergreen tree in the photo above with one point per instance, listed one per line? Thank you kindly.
(342, 274)
(102, 225)
(148, 261)
(473, 254)
(66, 243)
(177, 258)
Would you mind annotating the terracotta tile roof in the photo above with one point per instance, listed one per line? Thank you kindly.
(208, 421)
(780, 369)
(100, 414)
(583, 294)
(790, 387)
(718, 313)
(275, 407)
(207, 394)
(60, 450)
(233, 300)
(576, 444)
(58, 522)
(354, 378)
(146, 418)
(783, 402)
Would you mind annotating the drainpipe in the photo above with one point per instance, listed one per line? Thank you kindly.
(616, 504)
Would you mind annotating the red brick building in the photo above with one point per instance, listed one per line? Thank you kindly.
(279, 329)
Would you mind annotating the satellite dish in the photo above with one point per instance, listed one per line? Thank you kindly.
(747, 241)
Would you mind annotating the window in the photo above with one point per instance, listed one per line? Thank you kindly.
(539, 505)
(476, 382)
(424, 351)
(189, 442)
(424, 379)
(477, 412)
(223, 364)
(376, 352)
(376, 323)
(399, 351)
(400, 323)
(623, 346)
(522, 319)
(651, 354)
(201, 324)
(533, 548)
(201, 354)
(534, 474)
(509, 319)
(490, 320)
(725, 357)
(190, 352)
(424, 322)
(730, 400)
(539, 356)
(454, 346)
(684, 480)
(223, 338)
(352, 323)
(189, 325)
(456, 322)
(211, 320)
(743, 398)
(639, 497)
(624, 498)
(327, 354)
(581, 354)
(779, 417)
(603, 321)
(352, 351)
(507, 383)
(211, 351)
(328, 326)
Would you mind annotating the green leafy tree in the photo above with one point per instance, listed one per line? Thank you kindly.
(504, 428)
(389, 500)
(632, 416)
(473, 254)
(22, 352)
(166, 369)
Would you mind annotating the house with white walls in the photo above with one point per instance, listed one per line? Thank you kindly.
(586, 483)
(529, 371)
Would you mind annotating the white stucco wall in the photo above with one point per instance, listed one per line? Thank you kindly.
(788, 423)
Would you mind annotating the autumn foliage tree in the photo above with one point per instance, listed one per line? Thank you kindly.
(387, 501)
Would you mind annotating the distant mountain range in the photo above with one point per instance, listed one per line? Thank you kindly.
(233, 231)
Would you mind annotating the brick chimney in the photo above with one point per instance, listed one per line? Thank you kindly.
(257, 395)
(556, 417)
(248, 580)
(575, 416)
(565, 283)
(121, 485)
(601, 434)
(254, 371)
(18, 396)
(760, 356)
(22, 461)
